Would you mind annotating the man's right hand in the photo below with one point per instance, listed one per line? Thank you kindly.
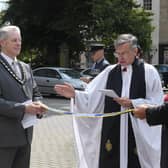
(65, 90)
(35, 108)
(140, 112)
(86, 79)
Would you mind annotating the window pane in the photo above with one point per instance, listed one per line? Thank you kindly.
(41, 73)
(148, 4)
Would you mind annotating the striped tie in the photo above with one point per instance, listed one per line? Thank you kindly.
(16, 69)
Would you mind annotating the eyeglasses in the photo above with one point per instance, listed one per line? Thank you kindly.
(125, 53)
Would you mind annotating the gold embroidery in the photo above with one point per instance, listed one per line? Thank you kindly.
(108, 145)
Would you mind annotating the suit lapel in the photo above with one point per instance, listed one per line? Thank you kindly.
(12, 73)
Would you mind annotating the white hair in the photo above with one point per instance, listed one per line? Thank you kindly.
(126, 38)
(4, 31)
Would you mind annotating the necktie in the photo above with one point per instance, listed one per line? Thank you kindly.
(16, 69)
(96, 65)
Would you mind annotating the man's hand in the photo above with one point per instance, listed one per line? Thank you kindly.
(36, 108)
(65, 90)
(43, 107)
(86, 79)
(140, 112)
(124, 102)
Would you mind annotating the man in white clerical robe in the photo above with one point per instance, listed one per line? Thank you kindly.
(88, 131)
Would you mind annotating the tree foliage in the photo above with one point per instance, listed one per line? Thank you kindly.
(113, 17)
(47, 24)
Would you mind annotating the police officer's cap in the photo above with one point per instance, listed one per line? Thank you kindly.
(96, 46)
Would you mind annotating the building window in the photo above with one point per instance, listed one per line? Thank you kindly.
(148, 4)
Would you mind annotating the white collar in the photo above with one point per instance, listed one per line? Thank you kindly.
(8, 59)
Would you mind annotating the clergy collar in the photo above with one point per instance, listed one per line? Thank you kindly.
(8, 59)
(126, 67)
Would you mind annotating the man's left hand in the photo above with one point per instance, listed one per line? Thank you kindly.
(124, 102)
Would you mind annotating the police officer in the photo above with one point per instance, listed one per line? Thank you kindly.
(99, 61)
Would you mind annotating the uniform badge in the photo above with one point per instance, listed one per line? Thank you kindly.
(108, 145)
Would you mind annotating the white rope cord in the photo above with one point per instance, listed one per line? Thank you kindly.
(89, 115)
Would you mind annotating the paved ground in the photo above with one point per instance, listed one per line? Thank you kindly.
(53, 143)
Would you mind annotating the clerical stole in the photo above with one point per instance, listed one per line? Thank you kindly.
(110, 140)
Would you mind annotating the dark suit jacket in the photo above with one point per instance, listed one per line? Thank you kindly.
(98, 67)
(12, 94)
(159, 115)
(102, 64)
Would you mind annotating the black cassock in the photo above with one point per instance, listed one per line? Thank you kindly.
(110, 140)
(159, 115)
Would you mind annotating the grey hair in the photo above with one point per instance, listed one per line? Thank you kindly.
(126, 38)
(6, 29)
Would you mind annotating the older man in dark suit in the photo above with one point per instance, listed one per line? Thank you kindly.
(17, 87)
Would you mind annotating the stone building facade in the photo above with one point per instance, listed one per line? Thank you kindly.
(163, 33)
(159, 50)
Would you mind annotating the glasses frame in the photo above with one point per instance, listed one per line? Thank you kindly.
(117, 55)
